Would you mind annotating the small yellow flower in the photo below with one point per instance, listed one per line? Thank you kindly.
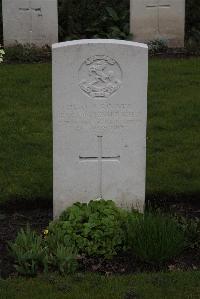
(46, 232)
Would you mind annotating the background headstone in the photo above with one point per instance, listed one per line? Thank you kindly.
(99, 122)
(158, 19)
(30, 22)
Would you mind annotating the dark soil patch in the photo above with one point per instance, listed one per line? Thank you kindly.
(38, 219)
(127, 264)
(186, 208)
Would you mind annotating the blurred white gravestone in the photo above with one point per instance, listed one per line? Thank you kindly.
(30, 22)
(158, 19)
(99, 122)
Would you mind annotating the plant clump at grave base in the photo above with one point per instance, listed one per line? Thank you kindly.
(94, 229)
(28, 252)
(155, 239)
(98, 229)
(32, 254)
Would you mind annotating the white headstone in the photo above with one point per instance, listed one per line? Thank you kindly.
(99, 122)
(158, 19)
(30, 22)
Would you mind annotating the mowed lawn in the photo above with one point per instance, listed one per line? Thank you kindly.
(180, 285)
(173, 139)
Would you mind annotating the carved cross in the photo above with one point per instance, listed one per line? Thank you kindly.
(31, 11)
(100, 159)
(158, 5)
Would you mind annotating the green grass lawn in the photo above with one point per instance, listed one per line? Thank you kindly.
(178, 285)
(174, 129)
(25, 132)
(173, 157)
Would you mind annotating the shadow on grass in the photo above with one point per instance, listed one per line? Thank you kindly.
(155, 201)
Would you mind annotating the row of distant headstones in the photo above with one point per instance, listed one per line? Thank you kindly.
(36, 22)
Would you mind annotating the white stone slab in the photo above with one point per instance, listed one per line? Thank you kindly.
(158, 19)
(99, 122)
(30, 22)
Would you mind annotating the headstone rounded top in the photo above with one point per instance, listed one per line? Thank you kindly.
(99, 41)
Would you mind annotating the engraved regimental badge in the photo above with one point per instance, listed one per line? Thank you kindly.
(100, 76)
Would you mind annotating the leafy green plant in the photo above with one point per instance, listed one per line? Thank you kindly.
(64, 259)
(89, 19)
(94, 229)
(61, 254)
(114, 24)
(32, 254)
(28, 252)
(155, 238)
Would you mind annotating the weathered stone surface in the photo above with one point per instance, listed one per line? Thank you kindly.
(158, 19)
(30, 22)
(99, 122)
